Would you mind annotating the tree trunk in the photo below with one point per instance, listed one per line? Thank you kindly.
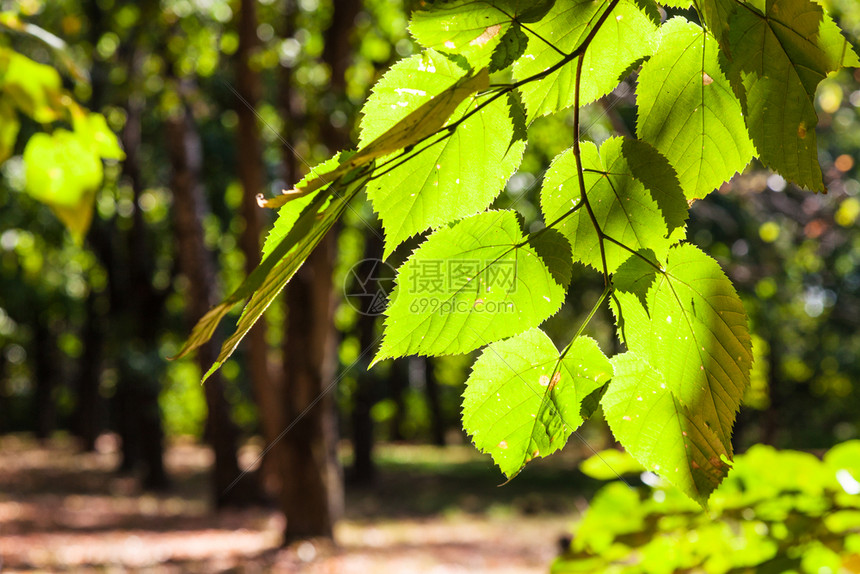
(195, 260)
(252, 177)
(86, 419)
(398, 382)
(363, 470)
(45, 361)
(137, 307)
(431, 388)
(312, 493)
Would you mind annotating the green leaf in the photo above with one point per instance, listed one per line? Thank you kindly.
(716, 14)
(277, 268)
(410, 85)
(845, 457)
(511, 46)
(9, 126)
(695, 335)
(523, 400)
(688, 111)
(452, 175)
(835, 45)
(93, 128)
(290, 212)
(34, 88)
(60, 168)
(609, 464)
(470, 28)
(64, 172)
(626, 36)
(467, 286)
(660, 431)
(554, 250)
(634, 195)
(779, 64)
(636, 276)
(283, 271)
(304, 224)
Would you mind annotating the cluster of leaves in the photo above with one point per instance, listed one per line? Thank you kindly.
(778, 511)
(444, 130)
(63, 167)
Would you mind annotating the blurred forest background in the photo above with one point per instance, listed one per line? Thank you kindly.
(216, 101)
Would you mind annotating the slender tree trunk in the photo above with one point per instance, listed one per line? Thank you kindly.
(363, 470)
(5, 406)
(252, 177)
(138, 307)
(87, 415)
(431, 388)
(771, 419)
(312, 495)
(312, 491)
(186, 158)
(45, 361)
(398, 381)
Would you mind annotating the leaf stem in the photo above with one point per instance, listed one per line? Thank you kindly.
(504, 89)
(577, 152)
(634, 252)
(606, 290)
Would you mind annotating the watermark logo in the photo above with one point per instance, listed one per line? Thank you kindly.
(368, 285)
(440, 276)
(434, 285)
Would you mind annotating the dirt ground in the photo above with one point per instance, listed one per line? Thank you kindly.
(63, 511)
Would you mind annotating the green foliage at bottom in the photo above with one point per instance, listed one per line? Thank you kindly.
(777, 511)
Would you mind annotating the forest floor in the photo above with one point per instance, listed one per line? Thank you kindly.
(431, 510)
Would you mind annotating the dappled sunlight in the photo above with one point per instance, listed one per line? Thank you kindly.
(61, 509)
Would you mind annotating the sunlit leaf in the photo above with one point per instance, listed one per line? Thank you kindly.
(34, 88)
(660, 431)
(633, 193)
(688, 111)
(468, 286)
(472, 29)
(609, 464)
(523, 400)
(93, 129)
(450, 176)
(779, 63)
(626, 37)
(694, 333)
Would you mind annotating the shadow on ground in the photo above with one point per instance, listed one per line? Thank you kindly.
(430, 510)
